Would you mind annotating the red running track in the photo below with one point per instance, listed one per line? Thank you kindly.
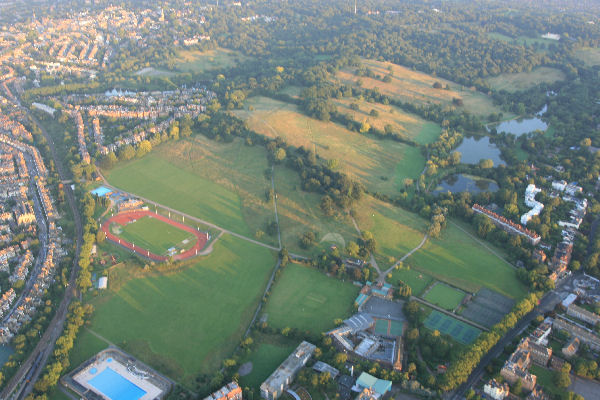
(130, 216)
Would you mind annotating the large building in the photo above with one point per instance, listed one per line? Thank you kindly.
(583, 314)
(496, 390)
(585, 335)
(281, 378)
(231, 391)
(517, 366)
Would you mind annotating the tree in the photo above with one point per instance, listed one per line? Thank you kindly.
(352, 249)
(100, 236)
(279, 155)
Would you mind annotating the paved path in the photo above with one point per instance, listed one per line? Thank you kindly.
(410, 253)
(260, 303)
(275, 204)
(101, 338)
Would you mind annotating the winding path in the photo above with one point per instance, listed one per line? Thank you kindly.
(410, 253)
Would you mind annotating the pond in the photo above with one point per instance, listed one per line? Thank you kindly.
(466, 183)
(524, 126)
(474, 149)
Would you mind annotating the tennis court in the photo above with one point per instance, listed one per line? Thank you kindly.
(460, 331)
(396, 328)
(382, 327)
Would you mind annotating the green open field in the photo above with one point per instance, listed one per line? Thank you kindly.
(417, 280)
(155, 235)
(545, 378)
(397, 231)
(381, 165)
(222, 183)
(201, 61)
(408, 125)
(154, 72)
(306, 299)
(185, 322)
(299, 212)
(522, 40)
(417, 87)
(265, 359)
(444, 296)
(526, 80)
(462, 261)
(589, 55)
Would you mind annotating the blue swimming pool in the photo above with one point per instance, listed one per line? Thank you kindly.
(116, 387)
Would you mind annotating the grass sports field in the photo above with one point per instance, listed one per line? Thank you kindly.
(444, 296)
(460, 331)
(408, 125)
(184, 323)
(381, 165)
(417, 280)
(417, 87)
(526, 80)
(223, 183)
(299, 212)
(201, 61)
(306, 299)
(523, 40)
(265, 359)
(464, 262)
(154, 235)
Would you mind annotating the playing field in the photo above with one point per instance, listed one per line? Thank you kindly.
(154, 235)
(201, 61)
(222, 183)
(187, 322)
(408, 125)
(299, 212)
(381, 165)
(417, 87)
(265, 359)
(589, 55)
(444, 296)
(460, 331)
(306, 299)
(461, 260)
(417, 280)
(525, 80)
(523, 40)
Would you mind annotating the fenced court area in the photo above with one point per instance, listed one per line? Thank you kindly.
(458, 330)
(444, 296)
(487, 307)
(387, 327)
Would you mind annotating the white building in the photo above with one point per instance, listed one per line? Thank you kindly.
(496, 391)
(103, 282)
(530, 201)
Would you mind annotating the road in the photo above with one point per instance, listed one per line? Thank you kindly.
(547, 303)
(22, 382)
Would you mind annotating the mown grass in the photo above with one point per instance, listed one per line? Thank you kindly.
(222, 183)
(525, 80)
(377, 163)
(460, 260)
(417, 87)
(185, 322)
(444, 296)
(589, 55)
(265, 359)
(155, 235)
(202, 61)
(417, 280)
(306, 299)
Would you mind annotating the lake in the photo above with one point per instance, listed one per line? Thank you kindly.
(474, 149)
(524, 126)
(465, 183)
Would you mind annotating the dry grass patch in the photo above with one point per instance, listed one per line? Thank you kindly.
(526, 80)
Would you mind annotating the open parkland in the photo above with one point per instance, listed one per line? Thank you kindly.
(196, 251)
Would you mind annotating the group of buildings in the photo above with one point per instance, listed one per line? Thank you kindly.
(83, 151)
(508, 225)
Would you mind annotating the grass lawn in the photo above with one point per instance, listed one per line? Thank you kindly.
(417, 87)
(306, 299)
(545, 378)
(459, 259)
(525, 80)
(155, 235)
(186, 322)
(589, 55)
(223, 183)
(86, 345)
(521, 40)
(265, 359)
(444, 296)
(377, 163)
(201, 61)
(417, 280)
(293, 91)
(299, 212)
(408, 125)
(396, 230)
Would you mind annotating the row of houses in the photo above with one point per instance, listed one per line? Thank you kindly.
(507, 225)
(46, 200)
(83, 152)
(22, 269)
(32, 152)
